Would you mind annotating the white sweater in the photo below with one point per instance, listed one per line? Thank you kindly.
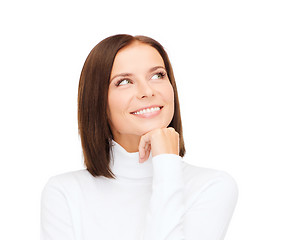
(163, 198)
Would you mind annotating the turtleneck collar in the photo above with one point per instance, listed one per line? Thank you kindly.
(126, 165)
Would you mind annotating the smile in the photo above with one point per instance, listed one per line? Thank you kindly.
(147, 110)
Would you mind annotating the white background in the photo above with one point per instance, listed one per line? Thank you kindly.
(233, 63)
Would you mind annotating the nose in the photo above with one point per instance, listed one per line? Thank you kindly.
(144, 90)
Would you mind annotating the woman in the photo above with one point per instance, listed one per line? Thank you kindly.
(136, 185)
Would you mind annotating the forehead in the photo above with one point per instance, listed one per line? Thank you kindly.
(135, 58)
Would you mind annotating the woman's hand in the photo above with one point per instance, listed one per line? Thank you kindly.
(164, 140)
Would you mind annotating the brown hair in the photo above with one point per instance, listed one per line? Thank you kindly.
(93, 123)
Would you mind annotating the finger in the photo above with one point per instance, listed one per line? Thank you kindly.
(144, 141)
(144, 157)
(147, 153)
(177, 135)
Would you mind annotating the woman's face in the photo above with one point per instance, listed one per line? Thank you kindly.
(140, 95)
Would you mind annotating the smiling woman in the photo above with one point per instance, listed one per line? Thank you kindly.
(144, 100)
(125, 74)
(136, 185)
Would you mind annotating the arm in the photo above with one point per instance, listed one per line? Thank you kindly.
(165, 214)
(56, 222)
(180, 212)
(209, 213)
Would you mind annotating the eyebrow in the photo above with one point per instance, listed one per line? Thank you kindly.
(130, 74)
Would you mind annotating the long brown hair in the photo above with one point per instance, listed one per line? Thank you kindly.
(93, 123)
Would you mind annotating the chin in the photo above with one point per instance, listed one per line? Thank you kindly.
(150, 128)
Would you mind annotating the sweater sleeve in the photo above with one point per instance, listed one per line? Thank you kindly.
(165, 214)
(56, 222)
(209, 214)
(206, 213)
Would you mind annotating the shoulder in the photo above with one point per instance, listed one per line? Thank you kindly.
(201, 174)
(206, 181)
(69, 177)
(68, 183)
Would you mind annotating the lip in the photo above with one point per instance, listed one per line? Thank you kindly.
(152, 106)
(147, 114)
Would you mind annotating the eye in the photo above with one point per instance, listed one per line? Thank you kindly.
(122, 82)
(159, 75)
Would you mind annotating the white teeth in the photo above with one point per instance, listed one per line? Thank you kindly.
(147, 110)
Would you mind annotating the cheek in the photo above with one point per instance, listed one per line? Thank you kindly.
(168, 94)
(114, 106)
(117, 107)
(171, 95)
(172, 104)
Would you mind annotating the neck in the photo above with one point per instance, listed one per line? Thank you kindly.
(126, 167)
(129, 142)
